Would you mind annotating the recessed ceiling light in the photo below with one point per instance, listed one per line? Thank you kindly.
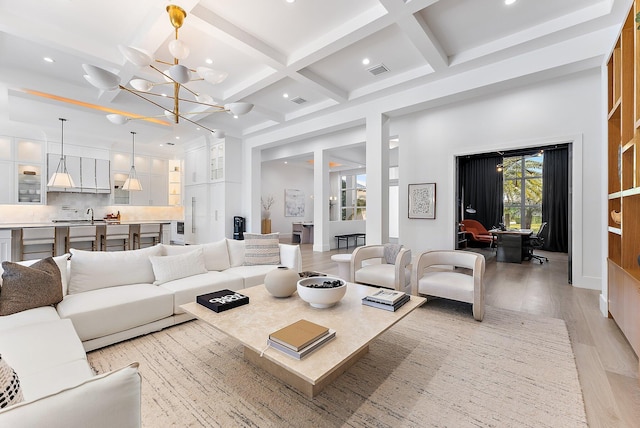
(177, 138)
(285, 95)
(285, 162)
(47, 59)
(197, 129)
(161, 145)
(235, 116)
(290, 1)
(366, 61)
(208, 61)
(508, 2)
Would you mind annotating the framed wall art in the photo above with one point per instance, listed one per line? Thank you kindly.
(422, 200)
(293, 203)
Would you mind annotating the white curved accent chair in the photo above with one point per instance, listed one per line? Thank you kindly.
(451, 283)
(376, 271)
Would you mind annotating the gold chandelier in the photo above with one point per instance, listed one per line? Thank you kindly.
(177, 75)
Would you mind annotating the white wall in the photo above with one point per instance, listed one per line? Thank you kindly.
(540, 113)
(276, 177)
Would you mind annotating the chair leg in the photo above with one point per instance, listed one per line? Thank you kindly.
(541, 259)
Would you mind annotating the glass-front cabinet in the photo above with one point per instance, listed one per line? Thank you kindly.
(217, 162)
(21, 167)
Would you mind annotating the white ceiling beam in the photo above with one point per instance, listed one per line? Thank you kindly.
(421, 36)
(309, 78)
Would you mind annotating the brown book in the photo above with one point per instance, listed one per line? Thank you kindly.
(299, 334)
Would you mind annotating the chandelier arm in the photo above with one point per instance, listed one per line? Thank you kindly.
(202, 104)
(170, 63)
(144, 98)
(196, 123)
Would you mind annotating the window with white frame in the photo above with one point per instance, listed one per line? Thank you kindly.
(353, 197)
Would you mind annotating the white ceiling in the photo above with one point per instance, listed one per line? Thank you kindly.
(311, 49)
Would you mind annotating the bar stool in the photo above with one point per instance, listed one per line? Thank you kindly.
(81, 235)
(37, 242)
(115, 236)
(148, 236)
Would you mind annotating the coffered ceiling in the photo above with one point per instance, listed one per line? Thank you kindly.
(311, 50)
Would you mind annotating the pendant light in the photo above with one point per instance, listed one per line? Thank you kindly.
(132, 182)
(61, 178)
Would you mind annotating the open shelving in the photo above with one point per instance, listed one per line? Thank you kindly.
(623, 121)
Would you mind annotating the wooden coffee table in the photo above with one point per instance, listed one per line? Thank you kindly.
(356, 325)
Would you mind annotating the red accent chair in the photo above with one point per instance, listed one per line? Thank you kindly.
(477, 232)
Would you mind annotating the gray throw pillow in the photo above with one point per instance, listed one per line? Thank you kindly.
(391, 252)
(28, 287)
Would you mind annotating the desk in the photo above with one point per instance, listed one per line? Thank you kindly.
(302, 233)
(512, 244)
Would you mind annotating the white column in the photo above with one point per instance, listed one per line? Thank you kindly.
(321, 192)
(377, 178)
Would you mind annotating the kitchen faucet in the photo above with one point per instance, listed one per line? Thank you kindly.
(90, 210)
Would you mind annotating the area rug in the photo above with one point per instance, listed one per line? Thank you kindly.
(436, 368)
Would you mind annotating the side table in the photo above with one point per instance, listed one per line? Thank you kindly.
(344, 265)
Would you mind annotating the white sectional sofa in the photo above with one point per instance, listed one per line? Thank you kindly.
(109, 297)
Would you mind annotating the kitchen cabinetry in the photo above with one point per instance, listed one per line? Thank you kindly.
(211, 193)
(153, 175)
(28, 169)
(623, 122)
(175, 182)
(84, 173)
(7, 191)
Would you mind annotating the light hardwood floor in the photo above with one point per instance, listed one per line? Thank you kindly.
(607, 366)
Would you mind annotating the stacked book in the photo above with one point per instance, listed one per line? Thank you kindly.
(389, 300)
(300, 338)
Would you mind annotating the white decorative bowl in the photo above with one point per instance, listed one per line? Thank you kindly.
(321, 297)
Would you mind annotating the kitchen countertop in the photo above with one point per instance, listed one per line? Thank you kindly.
(68, 223)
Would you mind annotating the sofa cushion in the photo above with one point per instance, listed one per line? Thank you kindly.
(31, 316)
(261, 249)
(63, 264)
(91, 270)
(168, 268)
(28, 287)
(216, 254)
(251, 275)
(449, 285)
(109, 400)
(105, 311)
(185, 290)
(10, 391)
(383, 275)
(47, 357)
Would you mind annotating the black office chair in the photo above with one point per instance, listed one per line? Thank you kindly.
(536, 242)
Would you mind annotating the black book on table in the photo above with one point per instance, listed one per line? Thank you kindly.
(222, 300)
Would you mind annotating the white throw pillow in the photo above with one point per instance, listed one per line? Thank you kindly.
(236, 252)
(216, 255)
(92, 270)
(61, 261)
(168, 268)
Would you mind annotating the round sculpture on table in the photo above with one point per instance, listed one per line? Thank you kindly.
(281, 282)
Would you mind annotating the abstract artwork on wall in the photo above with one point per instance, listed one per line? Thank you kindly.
(293, 203)
(422, 200)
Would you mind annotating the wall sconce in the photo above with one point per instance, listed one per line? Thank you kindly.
(470, 209)
(499, 167)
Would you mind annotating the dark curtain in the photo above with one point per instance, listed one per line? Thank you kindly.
(482, 186)
(555, 198)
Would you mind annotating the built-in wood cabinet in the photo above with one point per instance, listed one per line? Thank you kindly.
(623, 122)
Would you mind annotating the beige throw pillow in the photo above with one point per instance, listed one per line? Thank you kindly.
(261, 249)
(28, 287)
